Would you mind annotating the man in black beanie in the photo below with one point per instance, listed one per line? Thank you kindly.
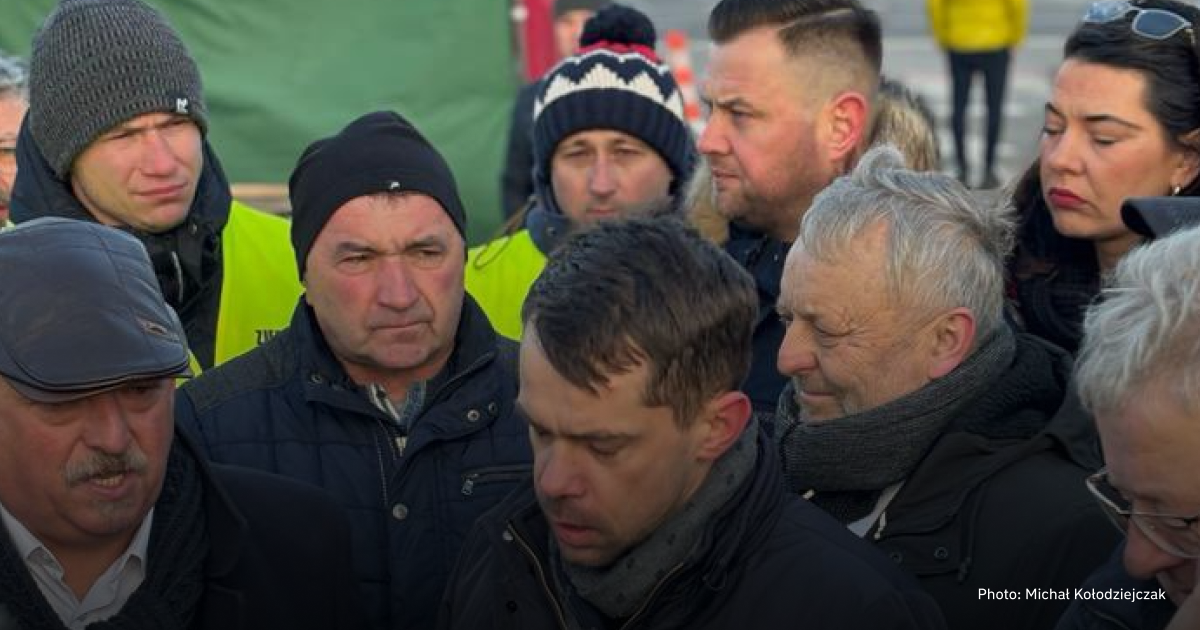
(116, 134)
(389, 389)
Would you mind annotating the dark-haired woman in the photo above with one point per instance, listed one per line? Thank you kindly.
(1123, 120)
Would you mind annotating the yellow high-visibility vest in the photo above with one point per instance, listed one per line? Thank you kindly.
(260, 284)
(498, 276)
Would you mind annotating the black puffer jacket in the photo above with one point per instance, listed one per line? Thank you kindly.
(289, 407)
(769, 560)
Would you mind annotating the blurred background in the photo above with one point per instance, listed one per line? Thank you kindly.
(281, 73)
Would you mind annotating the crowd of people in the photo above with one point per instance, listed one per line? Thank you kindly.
(785, 373)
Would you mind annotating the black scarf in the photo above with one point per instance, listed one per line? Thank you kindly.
(170, 594)
(849, 461)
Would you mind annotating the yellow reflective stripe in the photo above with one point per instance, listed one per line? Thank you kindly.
(260, 285)
(499, 275)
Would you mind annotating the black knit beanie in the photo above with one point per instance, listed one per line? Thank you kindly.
(98, 63)
(617, 82)
(379, 152)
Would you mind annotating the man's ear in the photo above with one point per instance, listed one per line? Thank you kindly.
(848, 117)
(725, 417)
(953, 339)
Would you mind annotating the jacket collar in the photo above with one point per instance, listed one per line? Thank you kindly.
(734, 532)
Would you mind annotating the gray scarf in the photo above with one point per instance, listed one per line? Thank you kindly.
(620, 588)
(850, 460)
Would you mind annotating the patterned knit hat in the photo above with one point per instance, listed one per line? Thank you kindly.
(617, 82)
(98, 63)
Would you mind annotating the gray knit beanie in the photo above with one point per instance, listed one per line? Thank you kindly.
(98, 63)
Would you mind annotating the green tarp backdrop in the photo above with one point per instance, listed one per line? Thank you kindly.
(281, 73)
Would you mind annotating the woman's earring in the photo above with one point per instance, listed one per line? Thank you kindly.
(1175, 191)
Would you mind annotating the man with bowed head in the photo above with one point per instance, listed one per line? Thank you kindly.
(656, 500)
(1137, 372)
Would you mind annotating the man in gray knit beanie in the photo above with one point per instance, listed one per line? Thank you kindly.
(99, 63)
(116, 133)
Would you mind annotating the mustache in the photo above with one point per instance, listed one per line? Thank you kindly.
(103, 465)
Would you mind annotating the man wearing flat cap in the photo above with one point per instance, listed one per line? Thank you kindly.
(389, 389)
(116, 134)
(107, 518)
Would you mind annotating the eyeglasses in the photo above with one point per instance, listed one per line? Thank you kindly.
(1176, 535)
(1152, 23)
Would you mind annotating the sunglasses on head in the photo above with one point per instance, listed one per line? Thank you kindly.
(1151, 23)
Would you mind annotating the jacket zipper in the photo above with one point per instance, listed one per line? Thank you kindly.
(541, 573)
(650, 598)
(496, 474)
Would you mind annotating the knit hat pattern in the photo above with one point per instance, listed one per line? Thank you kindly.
(98, 63)
(616, 81)
(378, 152)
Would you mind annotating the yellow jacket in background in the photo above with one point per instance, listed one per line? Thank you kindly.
(978, 25)
(499, 275)
(260, 284)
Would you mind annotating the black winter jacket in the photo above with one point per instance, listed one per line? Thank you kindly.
(277, 556)
(763, 257)
(289, 407)
(999, 503)
(769, 560)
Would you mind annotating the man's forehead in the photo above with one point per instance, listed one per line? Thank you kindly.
(602, 137)
(420, 213)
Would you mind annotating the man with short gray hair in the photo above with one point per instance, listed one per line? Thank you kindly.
(14, 101)
(915, 415)
(1139, 374)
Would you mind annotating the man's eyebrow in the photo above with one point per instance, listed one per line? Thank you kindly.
(727, 103)
(352, 247)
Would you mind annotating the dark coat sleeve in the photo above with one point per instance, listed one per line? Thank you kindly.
(283, 561)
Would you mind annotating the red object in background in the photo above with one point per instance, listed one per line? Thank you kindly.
(533, 21)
